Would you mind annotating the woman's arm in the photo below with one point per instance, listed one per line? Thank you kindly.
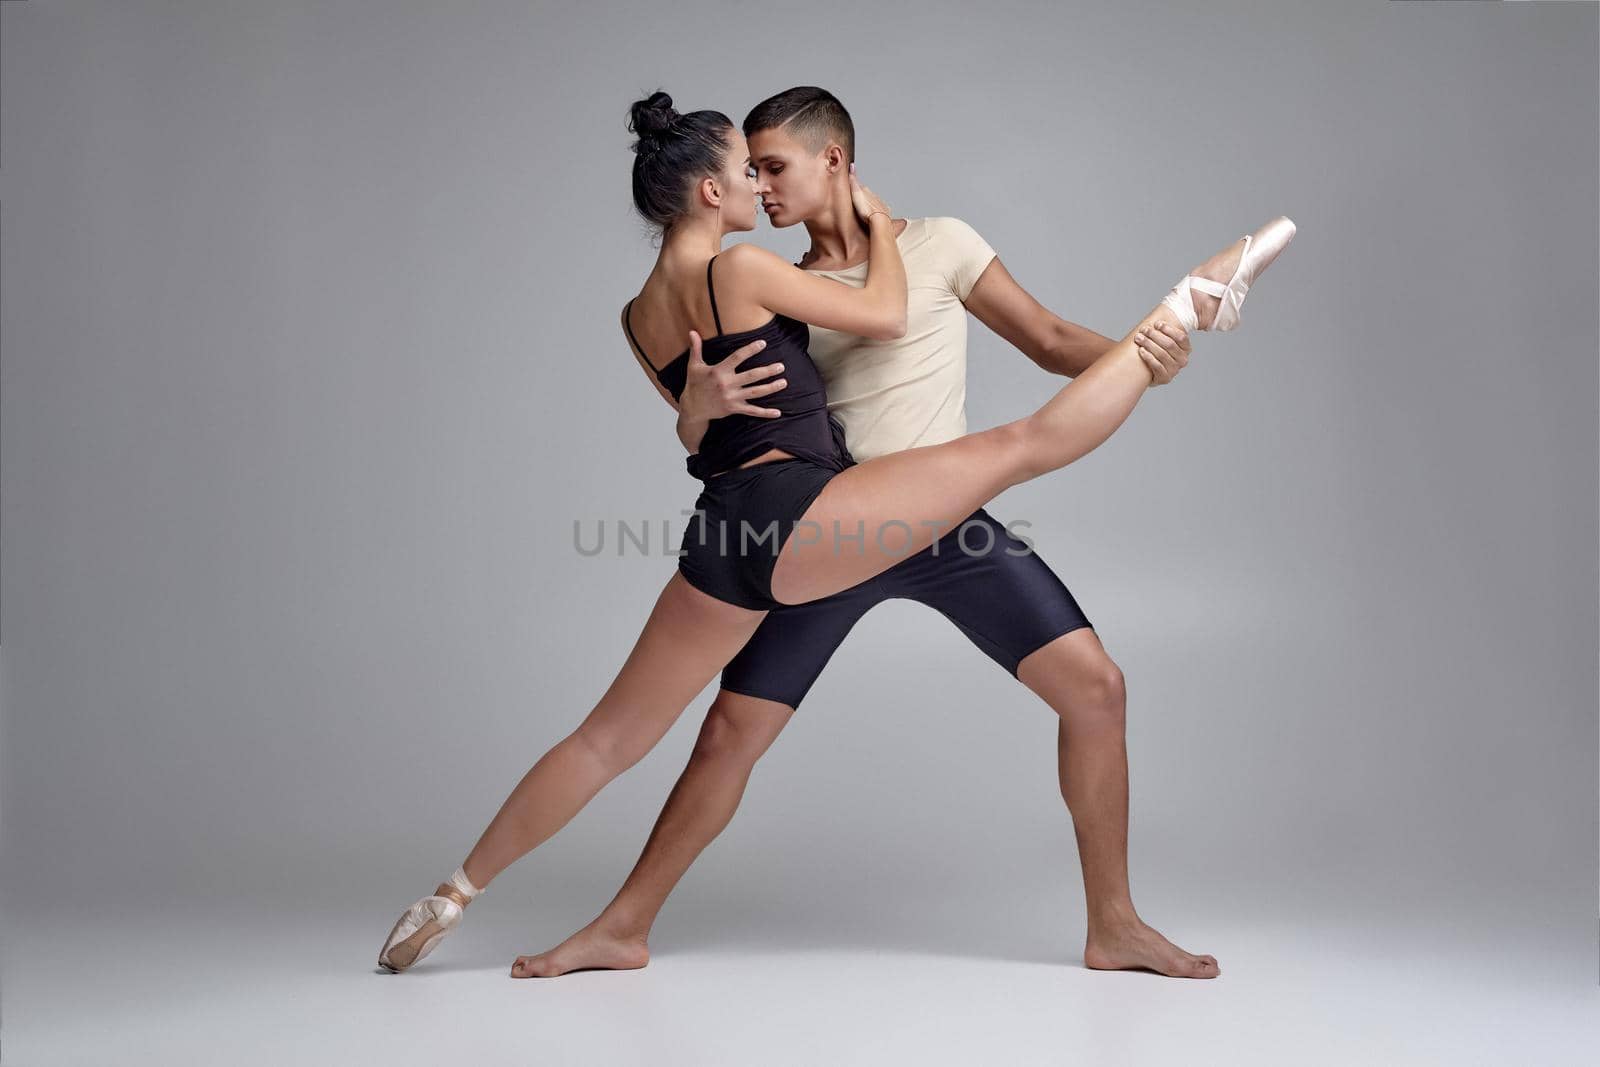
(876, 310)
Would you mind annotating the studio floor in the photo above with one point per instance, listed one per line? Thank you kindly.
(301, 988)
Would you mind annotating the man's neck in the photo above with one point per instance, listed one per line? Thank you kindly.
(838, 239)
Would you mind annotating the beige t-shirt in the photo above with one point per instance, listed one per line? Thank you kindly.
(894, 395)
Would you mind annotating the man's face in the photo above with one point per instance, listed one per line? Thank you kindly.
(791, 179)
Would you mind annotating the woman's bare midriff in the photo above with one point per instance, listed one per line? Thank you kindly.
(766, 457)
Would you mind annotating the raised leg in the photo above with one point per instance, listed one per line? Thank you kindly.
(738, 730)
(872, 515)
(1074, 675)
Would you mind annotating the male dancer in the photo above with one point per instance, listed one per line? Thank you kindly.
(889, 396)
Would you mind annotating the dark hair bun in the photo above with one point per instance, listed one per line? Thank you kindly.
(673, 151)
(653, 116)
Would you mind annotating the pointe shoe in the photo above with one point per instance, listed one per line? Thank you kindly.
(1260, 249)
(423, 925)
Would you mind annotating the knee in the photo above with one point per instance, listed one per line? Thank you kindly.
(1101, 695)
(1023, 440)
(735, 735)
(613, 752)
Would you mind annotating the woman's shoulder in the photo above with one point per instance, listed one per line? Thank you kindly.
(749, 270)
(625, 314)
(746, 254)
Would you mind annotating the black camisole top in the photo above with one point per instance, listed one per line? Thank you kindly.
(803, 430)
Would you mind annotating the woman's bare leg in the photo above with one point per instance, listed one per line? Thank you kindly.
(872, 515)
(737, 731)
(689, 637)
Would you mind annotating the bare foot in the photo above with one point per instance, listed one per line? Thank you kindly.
(590, 949)
(1219, 268)
(1133, 945)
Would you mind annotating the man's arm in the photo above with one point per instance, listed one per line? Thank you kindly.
(712, 392)
(1056, 345)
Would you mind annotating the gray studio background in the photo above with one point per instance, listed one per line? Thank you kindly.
(311, 362)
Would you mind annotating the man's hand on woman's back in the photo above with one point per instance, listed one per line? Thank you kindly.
(712, 391)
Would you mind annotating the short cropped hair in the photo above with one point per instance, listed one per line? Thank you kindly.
(813, 115)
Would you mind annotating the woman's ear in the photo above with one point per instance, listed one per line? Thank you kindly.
(710, 192)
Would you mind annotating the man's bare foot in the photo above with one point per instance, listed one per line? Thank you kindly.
(590, 949)
(1219, 268)
(1132, 944)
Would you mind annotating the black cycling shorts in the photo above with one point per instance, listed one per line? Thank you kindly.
(1008, 604)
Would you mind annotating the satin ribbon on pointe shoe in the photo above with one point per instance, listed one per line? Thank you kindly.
(1260, 249)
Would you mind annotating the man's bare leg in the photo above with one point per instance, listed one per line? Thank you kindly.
(710, 794)
(738, 730)
(1076, 677)
(1073, 674)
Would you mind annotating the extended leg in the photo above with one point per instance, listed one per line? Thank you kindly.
(761, 687)
(901, 503)
(688, 638)
(1075, 676)
(738, 730)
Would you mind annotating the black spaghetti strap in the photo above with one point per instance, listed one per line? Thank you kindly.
(713, 292)
(627, 324)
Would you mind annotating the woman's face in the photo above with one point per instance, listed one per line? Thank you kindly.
(739, 200)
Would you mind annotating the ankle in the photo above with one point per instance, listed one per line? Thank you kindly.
(450, 892)
(624, 925)
(1112, 916)
(459, 888)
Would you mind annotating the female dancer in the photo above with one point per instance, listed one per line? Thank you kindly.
(766, 478)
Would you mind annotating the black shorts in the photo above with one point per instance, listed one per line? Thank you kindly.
(995, 589)
(741, 520)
